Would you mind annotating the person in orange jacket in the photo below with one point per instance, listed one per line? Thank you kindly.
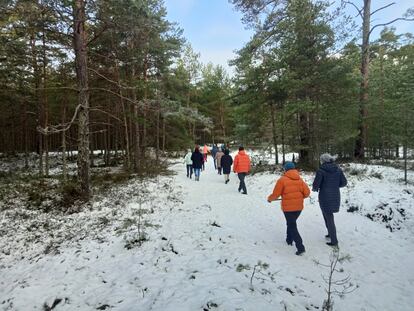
(241, 166)
(205, 152)
(293, 190)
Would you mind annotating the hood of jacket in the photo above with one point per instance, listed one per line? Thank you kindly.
(330, 167)
(292, 174)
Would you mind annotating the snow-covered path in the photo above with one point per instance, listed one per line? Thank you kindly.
(202, 253)
(252, 230)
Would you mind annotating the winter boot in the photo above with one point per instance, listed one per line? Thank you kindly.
(299, 252)
(332, 244)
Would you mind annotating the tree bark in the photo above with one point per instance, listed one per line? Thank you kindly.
(64, 159)
(274, 134)
(45, 108)
(304, 154)
(361, 140)
(163, 135)
(144, 125)
(382, 104)
(222, 121)
(36, 97)
(137, 147)
(25, 136)
(157, 143)
(80, 48)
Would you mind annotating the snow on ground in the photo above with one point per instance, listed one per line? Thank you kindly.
(210, 248)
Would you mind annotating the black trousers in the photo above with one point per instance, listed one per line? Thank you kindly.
(189, 170)
(292, 233)
(330, 225)
(242, 185)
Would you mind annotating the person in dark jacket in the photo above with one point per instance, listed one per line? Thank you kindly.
(226, 162)
(198, 161)
(329, 178)
(214, 151)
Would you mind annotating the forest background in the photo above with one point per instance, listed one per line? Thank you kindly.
(119, 77)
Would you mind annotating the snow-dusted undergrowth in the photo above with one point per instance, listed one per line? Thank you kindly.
(170, 243)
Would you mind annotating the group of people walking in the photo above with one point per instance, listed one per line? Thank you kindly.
(223, 162)
(290, 187)
(293, 190)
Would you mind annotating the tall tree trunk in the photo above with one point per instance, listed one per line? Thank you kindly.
(127, 160)
(304, 151)
(188, 106)
(144, 125)
(222, 121)
(382, 104)
(45, 107)
(80, 47)
(64, 159)
(25, 136)
(361, 140)
(405, 162)
(194, 131)
(107, 139)
(116, 134)
(405, 147)
(274, 133)
(137, 147)
(157, 143)
(163, 135)
(36, 96)
(316, 137)
(127, 156)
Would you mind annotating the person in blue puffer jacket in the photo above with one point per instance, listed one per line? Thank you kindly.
(329, 178)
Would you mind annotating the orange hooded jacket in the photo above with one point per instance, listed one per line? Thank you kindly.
(241, 163)
(293, 190)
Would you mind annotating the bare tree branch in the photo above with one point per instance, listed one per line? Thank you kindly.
(98, 34)
(391, 22)
(358, 9)
(143, 103)
(384, 7)
(111, 81)
(107, 113)
(53, 129)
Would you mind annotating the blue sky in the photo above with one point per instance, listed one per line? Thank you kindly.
(215, 30)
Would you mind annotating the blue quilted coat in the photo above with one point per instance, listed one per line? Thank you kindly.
(329, 178)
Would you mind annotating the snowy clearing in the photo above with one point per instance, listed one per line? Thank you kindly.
(207, 247)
